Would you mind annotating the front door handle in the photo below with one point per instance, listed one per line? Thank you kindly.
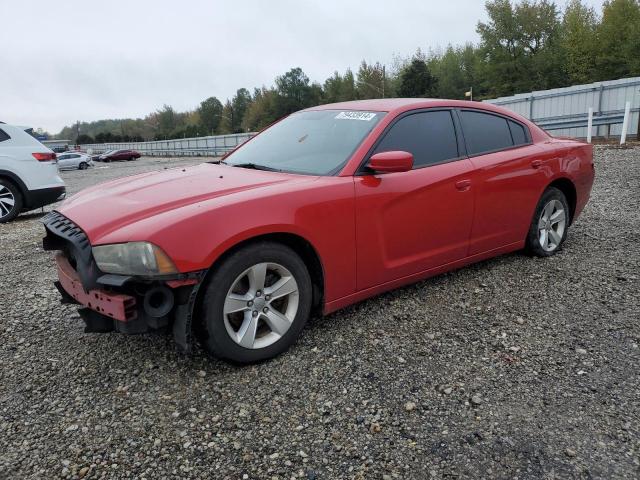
(536, 163)
(463, 185)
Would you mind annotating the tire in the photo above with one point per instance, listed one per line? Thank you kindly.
(82, 166)
(222, 326)
(552, 215)
(11, 201)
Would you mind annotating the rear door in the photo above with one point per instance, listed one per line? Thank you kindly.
(63, 160)
(410, 222)
(508, 177)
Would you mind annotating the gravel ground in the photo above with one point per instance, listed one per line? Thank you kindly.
(512, 368)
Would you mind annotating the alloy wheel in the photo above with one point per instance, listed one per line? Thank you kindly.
(261, 305)
(551, 225)
(7, 201)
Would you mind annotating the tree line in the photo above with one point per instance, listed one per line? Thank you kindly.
(524, 45)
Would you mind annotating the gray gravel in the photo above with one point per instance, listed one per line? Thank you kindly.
(512, 368)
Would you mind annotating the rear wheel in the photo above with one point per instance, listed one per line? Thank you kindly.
(10, 201)
(255, 303)
(550, 224)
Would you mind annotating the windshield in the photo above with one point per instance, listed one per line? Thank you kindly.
(314, 142)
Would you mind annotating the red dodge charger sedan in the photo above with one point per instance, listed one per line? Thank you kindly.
(325, 208)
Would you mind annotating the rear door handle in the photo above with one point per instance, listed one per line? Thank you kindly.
(463, 185)
(536, 163)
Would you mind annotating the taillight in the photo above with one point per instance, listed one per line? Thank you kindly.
(44, 157)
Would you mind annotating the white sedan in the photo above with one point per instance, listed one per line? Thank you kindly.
(74, 160)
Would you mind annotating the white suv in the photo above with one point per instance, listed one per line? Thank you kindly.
(28, 173)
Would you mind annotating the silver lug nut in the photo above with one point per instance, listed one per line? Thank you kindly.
(255, 313)
(249, 303)
(258, 293)
(265, 309)
(267, 297)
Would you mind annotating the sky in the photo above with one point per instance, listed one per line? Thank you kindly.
(68, 60)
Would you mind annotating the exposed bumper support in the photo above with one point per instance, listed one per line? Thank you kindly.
(118, 302)
(114, 305)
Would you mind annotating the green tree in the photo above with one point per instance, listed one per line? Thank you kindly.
(579, 25)
(209, 112)
(226, 120)
(339, 88)
(294, 92)
(619, 40)
(84, 139)
(416, 80)
(372, 81)
(262, 111)
(167, 121)
(521, 46)
(239, 104)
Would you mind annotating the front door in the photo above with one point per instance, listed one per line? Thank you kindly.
(410, 222)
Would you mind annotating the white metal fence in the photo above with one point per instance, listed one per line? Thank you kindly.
(564, 111)
(214, 146)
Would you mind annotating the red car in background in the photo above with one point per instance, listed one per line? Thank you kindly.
(327, 207)
(113, 155)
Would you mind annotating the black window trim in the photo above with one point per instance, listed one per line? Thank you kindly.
(527, 133)
(4, 136)
(363, 170)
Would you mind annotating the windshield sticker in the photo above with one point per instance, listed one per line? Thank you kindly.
(366, 116)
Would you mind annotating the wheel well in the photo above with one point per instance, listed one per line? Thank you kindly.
(567, 187)
(299, 245)
(15, 181)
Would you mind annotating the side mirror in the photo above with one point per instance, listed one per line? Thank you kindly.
(389, 162)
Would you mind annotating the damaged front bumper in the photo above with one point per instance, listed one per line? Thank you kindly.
(116, 302)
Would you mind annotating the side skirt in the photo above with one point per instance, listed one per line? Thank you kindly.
(447, 267)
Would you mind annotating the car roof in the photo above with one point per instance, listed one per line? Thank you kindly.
(403, 104)
(397, 106)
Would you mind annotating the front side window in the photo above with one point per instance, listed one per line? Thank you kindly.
(314, 142)
(484, 132)
(429, 136)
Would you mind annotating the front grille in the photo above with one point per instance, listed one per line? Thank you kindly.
(61, 229)
(64, 235)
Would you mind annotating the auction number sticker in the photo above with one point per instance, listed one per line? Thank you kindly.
(365, 116)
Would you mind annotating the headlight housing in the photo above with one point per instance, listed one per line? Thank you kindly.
(133, 258)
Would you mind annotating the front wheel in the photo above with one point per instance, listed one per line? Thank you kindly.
(550, 224)
(255, 303)
(82, 166)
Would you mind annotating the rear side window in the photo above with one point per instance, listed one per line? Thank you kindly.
(518, 133)
(4, 136)
(484, 132)
(429, 136)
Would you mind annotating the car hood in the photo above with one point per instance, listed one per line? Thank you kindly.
(106, 207)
